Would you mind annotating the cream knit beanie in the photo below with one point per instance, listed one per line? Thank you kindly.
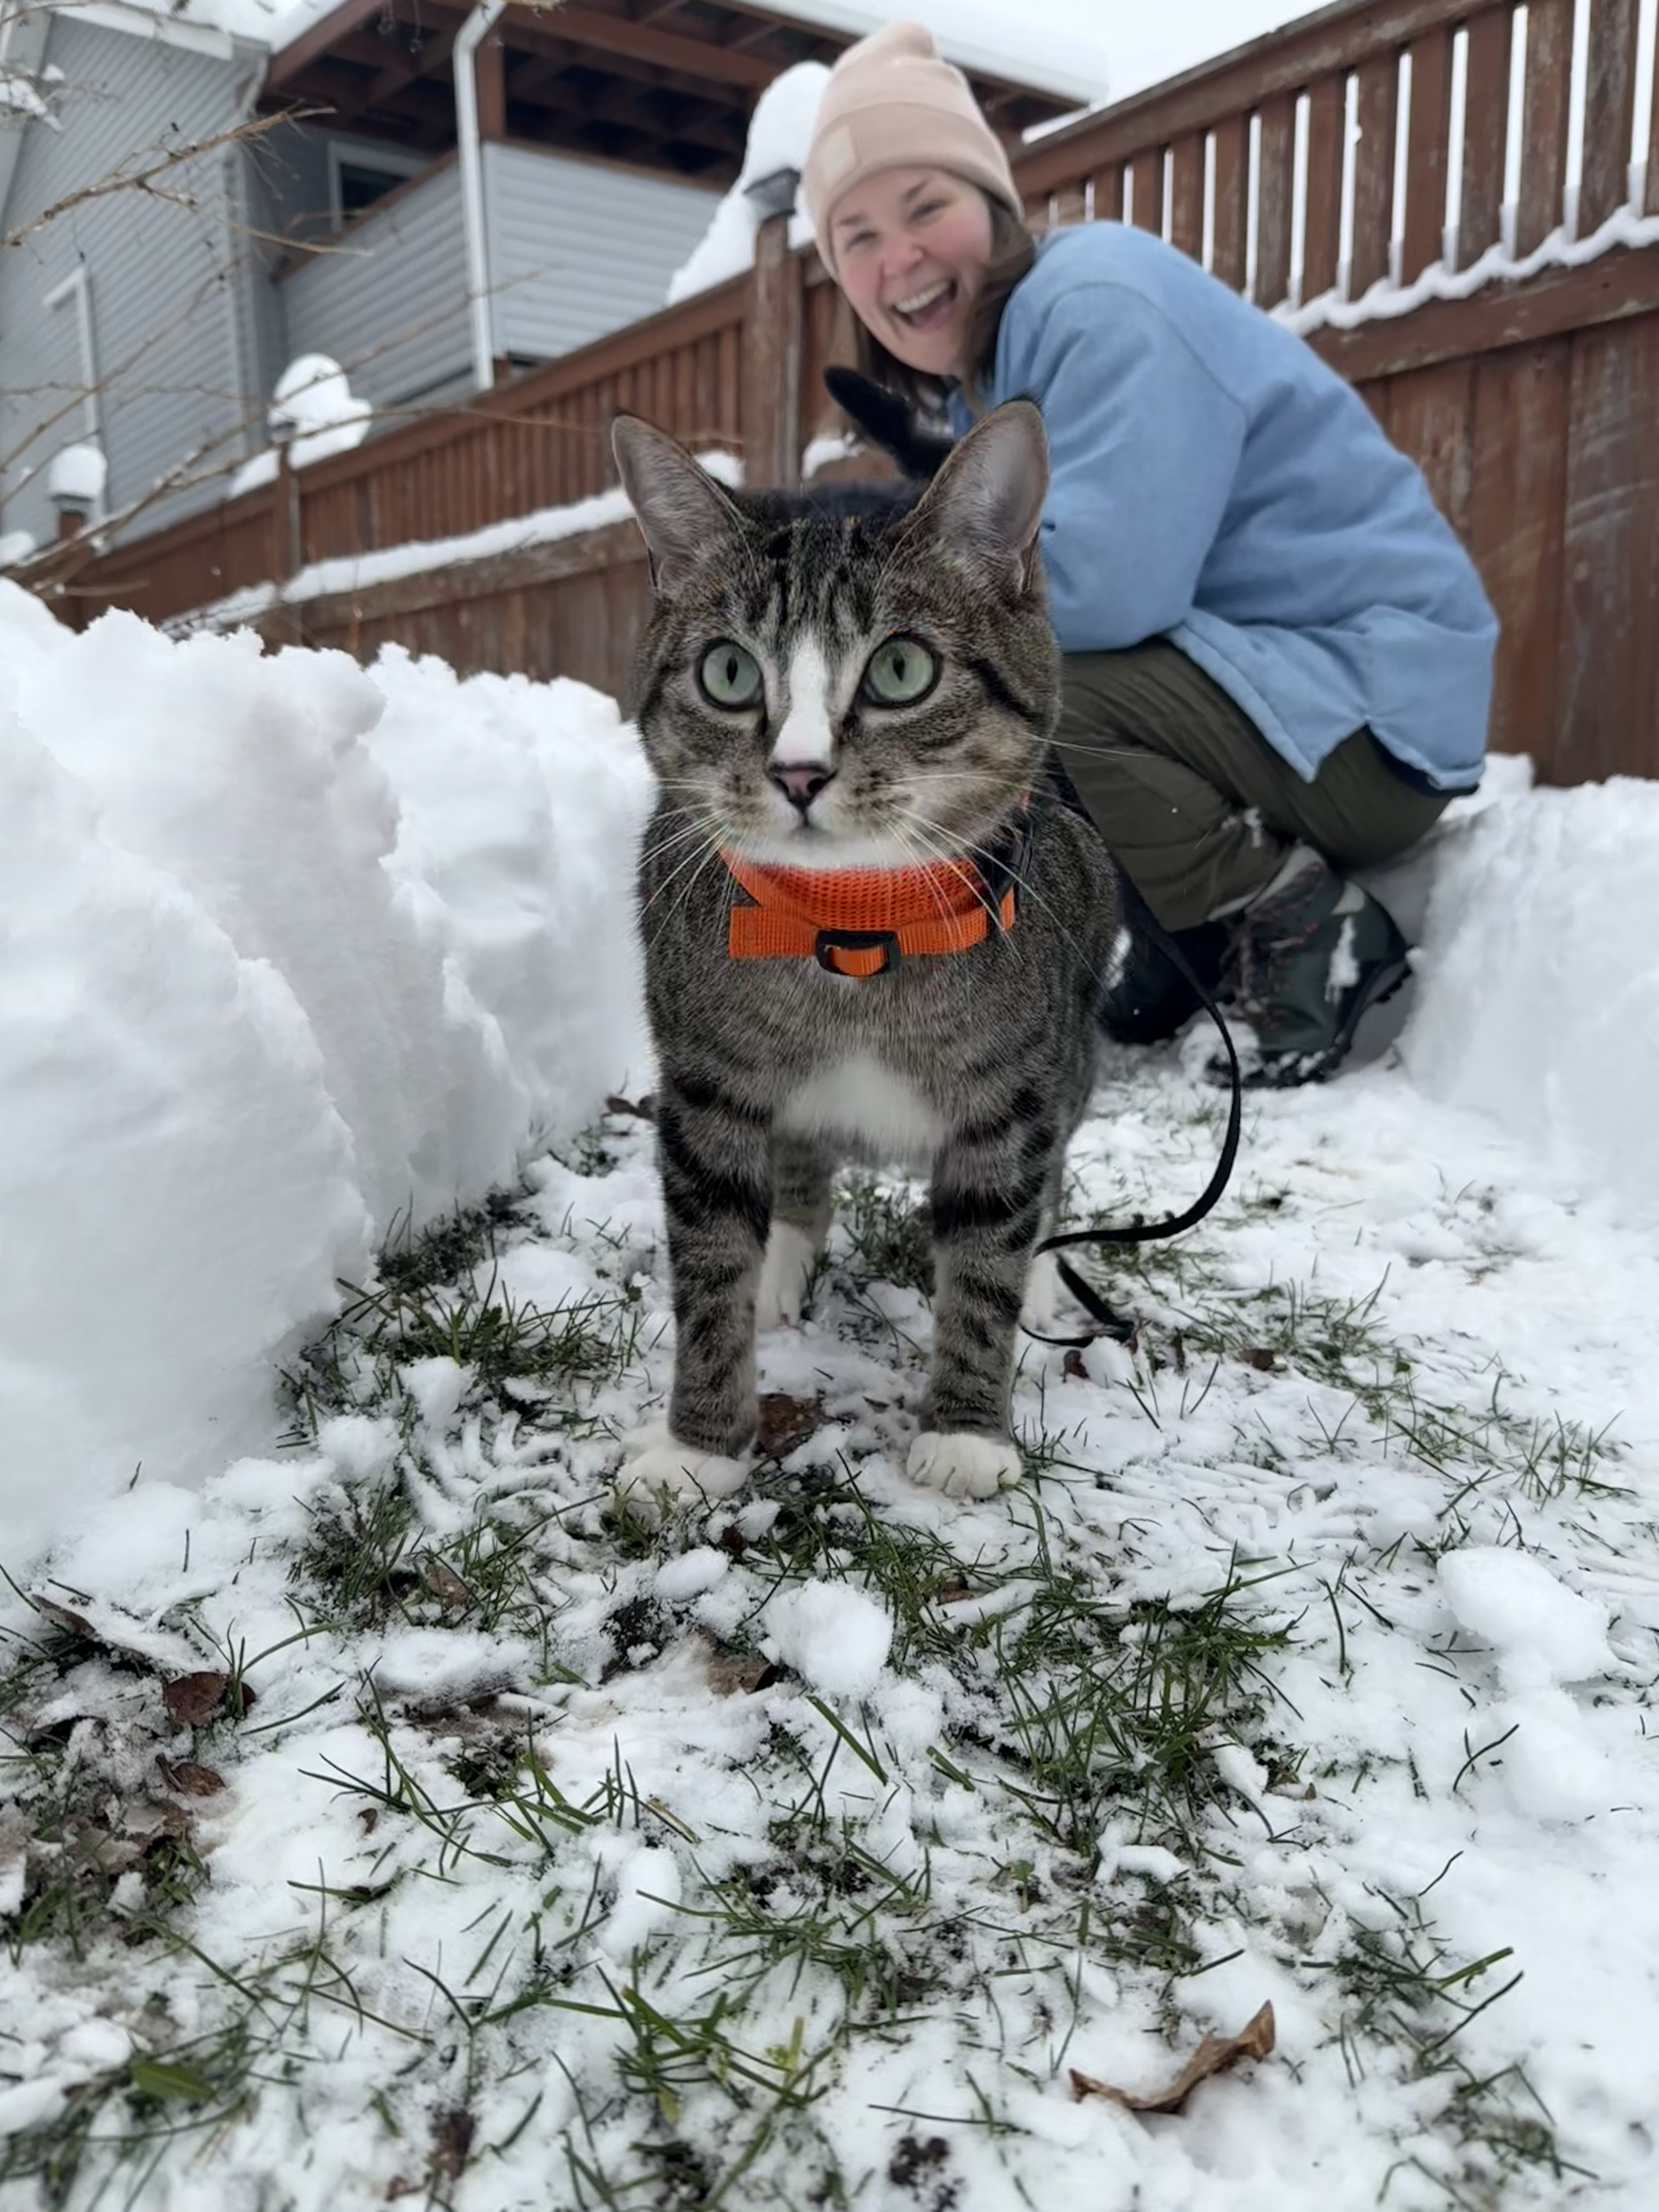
(891, 103)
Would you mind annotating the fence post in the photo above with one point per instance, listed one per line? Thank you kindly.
(771, 368)
(289, 535)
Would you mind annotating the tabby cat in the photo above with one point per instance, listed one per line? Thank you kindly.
(847, 701)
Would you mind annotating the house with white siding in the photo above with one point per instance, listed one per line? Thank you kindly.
(436, 194)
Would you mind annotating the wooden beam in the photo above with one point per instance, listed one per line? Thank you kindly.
(489, 66)
(1623, 282)
(327, 35)
(561, 54)
(712, 131)
(612, 34)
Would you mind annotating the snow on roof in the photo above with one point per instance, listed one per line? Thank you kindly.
(1087, 54)
(993, 37)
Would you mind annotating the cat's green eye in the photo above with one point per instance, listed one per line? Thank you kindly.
(730, 677)
(899, 673)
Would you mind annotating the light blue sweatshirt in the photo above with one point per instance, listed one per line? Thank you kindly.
(1216, 484)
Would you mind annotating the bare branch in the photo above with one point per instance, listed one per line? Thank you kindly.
(164, 163)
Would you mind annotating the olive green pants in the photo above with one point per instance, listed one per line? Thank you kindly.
(1197, 807)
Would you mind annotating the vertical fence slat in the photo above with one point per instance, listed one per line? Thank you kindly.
(1328, 102)
(1544, 117)
(1373, 176)
(1275, 199)
(1609, 109)
(1109, 191)
(1428, 151)
(1486, 127)
(1516, 511)
(1187, 194)
(1232, 199)
(1147, 213)
(1069, 205)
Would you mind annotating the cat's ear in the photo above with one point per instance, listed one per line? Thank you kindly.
(679, 506)
(986, 500)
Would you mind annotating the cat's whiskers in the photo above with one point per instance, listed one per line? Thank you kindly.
(944, 850)
(711, 858)
(902, 831)
(705, 849)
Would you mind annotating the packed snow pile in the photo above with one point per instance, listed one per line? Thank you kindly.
(314, 412)
(1538, 998)
(780, 131)
(293, 953)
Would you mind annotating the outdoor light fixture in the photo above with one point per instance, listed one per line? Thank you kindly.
(774, 194)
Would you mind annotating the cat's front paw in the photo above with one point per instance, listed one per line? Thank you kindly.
(662, 1473)
(785, 1273)
(964, 1466)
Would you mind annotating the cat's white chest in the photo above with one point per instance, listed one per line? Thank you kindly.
(864, 1103)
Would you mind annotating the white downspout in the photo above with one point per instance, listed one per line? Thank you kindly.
(473, 32)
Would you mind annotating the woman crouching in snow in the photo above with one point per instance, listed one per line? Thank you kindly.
(1277, 658)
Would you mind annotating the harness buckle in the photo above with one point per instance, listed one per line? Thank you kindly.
(857, 941)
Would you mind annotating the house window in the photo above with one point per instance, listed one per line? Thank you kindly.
(358, 176)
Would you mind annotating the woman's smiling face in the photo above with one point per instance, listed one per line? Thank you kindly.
(911, 247)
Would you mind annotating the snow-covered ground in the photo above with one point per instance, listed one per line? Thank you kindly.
(379, 1817)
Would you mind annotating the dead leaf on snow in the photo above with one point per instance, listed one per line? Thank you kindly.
(451, 2141)
(644, 1110)
(785, 1422)
(189, 1779)
(193, 1700)
(72, 1624)
(443, 1583)
(1213, 2056)
(737, 1673)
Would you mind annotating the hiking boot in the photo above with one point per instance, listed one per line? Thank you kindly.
(1146, 998)
(1309, 955)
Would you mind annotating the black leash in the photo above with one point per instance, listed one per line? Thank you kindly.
(1145, 1232)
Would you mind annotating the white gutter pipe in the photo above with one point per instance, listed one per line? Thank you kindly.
(473, 33)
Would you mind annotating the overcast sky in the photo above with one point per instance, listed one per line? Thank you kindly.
(1126, 44)
(1145, 42)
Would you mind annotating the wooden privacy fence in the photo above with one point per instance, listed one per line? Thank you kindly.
(1319, 159)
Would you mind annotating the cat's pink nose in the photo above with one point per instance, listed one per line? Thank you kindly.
(800, 782)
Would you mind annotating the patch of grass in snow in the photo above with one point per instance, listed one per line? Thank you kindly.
(883, 1233)
(1190, 1325)
(412, 1261)
(1407, 2002)
(368, 1558)
(88, 1802)
(523, 1355)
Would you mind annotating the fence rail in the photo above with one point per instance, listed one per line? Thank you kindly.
(1326, 150)
(541, 441)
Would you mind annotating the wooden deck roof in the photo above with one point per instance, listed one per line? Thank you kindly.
(664, 84)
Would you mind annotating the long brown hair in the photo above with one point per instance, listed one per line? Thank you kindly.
(1013, 250)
